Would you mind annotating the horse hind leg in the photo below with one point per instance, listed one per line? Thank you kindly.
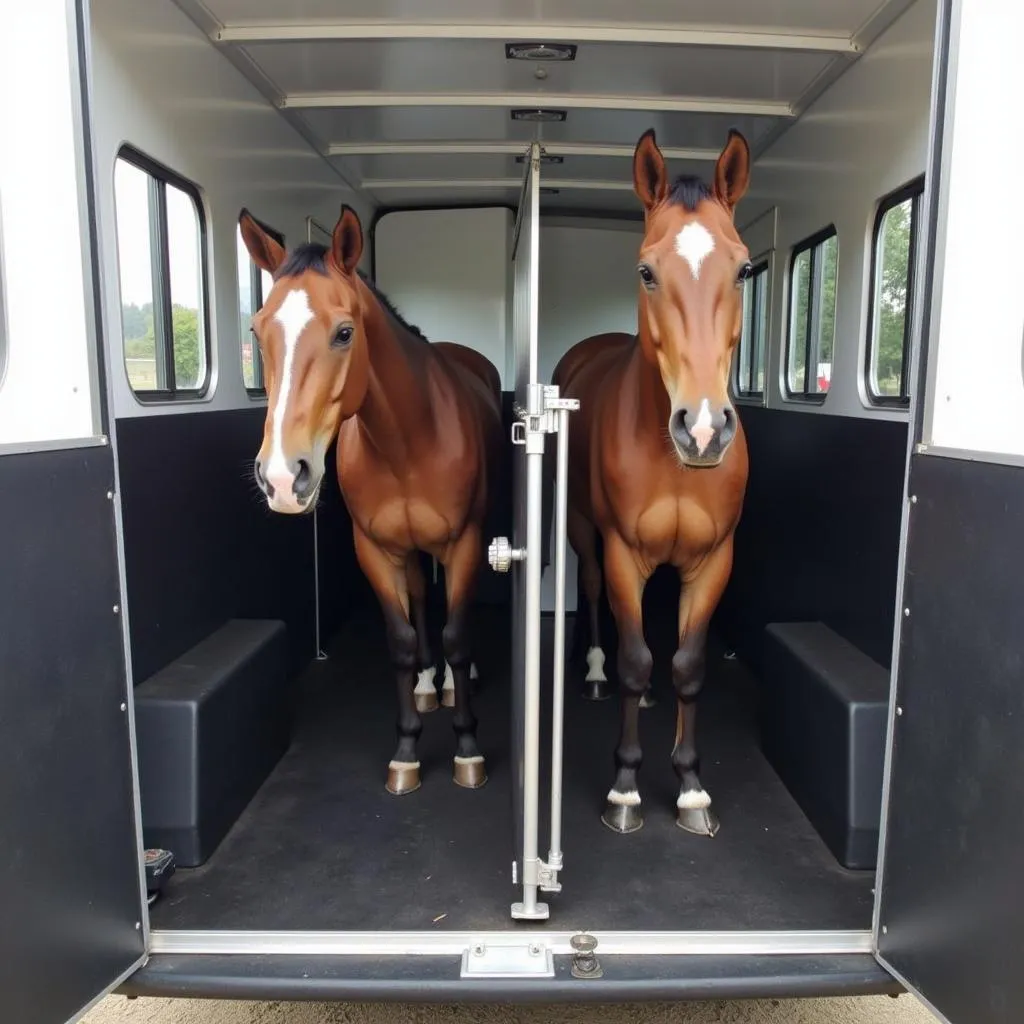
(425, 691)
(461, 567)
(583, 538)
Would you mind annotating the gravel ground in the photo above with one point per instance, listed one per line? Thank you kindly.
(875, 1010)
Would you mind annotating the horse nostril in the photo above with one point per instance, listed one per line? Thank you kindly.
(261, 478)
(677, 427)
(728, 430)
(303, 479)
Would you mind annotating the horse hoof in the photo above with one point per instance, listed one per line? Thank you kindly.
(647, 700)
(623, 818)
(448, 698)
(469, 772)
(596, 689)
(701, 821)
(403, 777)
(426, 702)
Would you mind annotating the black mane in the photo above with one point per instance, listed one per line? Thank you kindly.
(688, 191)
(312, 256)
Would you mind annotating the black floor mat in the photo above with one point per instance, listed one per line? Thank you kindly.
(323, 846)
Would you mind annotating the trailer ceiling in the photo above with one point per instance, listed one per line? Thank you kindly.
(416, 111)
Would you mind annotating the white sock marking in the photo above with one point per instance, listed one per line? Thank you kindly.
(702, 431)
(630, 799)
(595, 666)
(403, 764)
(695, 243)
(693, 800)
(475, 759)
(293, 315)
(449, 678)
(425, 681)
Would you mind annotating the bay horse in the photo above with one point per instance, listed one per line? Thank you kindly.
(418, 426)
(658, 459)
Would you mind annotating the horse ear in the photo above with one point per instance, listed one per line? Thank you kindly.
(650, 177)
(266, 252)
(732, 172)
(347, 241)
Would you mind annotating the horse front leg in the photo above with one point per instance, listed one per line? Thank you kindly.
(626, 576)
(461, 564)
(697, 602)
(387, 576)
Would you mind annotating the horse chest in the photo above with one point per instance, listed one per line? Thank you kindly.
(671, 530)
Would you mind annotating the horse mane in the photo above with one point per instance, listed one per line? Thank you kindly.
(688, 191)
(312, 256)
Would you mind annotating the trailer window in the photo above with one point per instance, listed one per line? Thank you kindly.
(750, 358)
(161, 236)
(812, 316)
(892, 282)
(253, 285)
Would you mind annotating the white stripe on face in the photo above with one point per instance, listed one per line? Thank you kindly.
(702, 431)
(293, 315)
(694, 243)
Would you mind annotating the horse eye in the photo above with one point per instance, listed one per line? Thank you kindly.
(342, 336)
(745, 271)
(646, 275)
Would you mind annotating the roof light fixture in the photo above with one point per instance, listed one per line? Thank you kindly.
(538, 114)
(540, 51)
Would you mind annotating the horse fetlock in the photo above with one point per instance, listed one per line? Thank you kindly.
(425, 691)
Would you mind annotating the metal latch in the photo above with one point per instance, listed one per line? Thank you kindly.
(525, 960)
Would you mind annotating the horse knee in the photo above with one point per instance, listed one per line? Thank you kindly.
(635, 665)
(403, 642)
(688, 672)
(455, 643)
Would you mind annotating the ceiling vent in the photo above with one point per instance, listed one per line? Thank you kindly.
(538, 114)
(546, 52)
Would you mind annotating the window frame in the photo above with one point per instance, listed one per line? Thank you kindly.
(259, 387)
(914, 191)
(762, 269)
(811, 244)
(163, 326)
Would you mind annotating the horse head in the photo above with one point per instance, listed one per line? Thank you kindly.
(312, 338)
(692, 267)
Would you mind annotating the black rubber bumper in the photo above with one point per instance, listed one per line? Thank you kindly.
(427, 979)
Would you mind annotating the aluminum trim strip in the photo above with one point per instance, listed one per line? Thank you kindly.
(610, 943)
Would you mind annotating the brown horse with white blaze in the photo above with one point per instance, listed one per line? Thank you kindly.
(418, 428)
(658, 460)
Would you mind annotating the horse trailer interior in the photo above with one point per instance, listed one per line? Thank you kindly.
(184, 670)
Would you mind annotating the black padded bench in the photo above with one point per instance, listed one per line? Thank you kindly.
(210, 727)
(824, 708)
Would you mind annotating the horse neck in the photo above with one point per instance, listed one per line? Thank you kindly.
(396, 415)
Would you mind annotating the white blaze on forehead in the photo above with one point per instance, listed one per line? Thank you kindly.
(694, 243)
(293, 315)
(702, 431)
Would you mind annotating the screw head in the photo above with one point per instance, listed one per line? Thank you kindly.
(899, 712)
(124, 707)
(906, 613)
(117, 608)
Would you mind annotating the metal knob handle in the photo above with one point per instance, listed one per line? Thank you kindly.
(583, 943)
(501, 554)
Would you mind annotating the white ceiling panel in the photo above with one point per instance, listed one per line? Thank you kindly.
(446, 66)
(842, 16)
